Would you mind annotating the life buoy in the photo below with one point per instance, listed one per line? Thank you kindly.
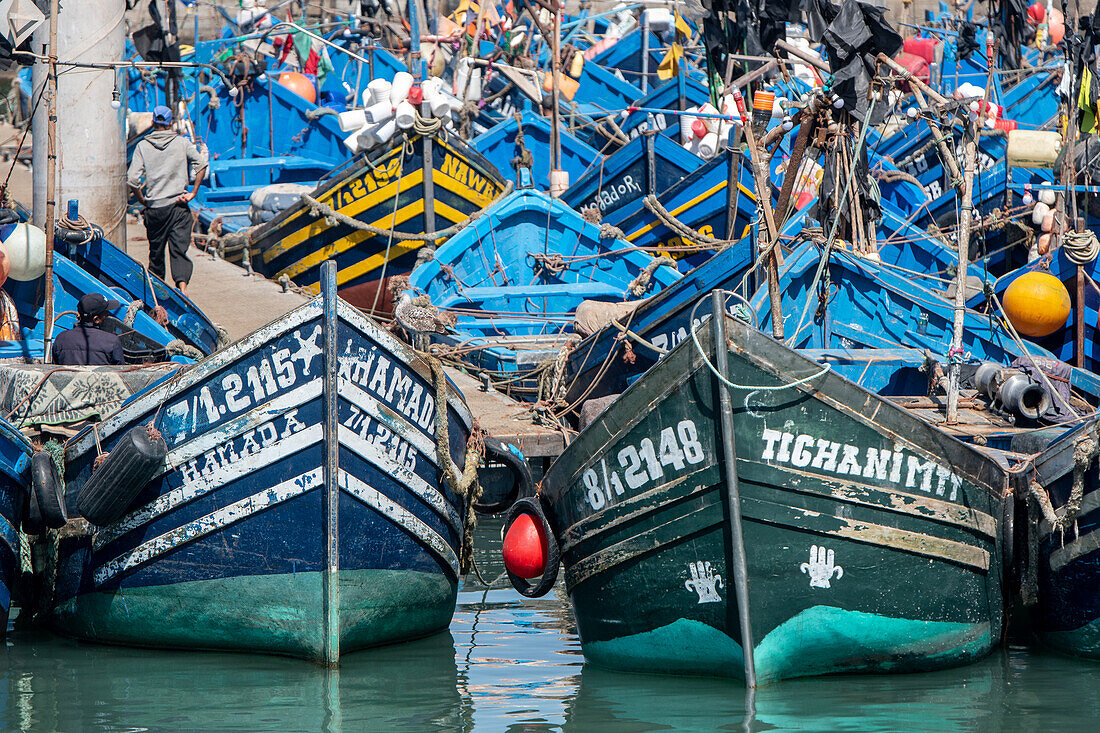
(48, 491)
(532, 506)
(513, 460)
(132, 463)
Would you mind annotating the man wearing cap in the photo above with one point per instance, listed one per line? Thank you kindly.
(164, 160)
(86, 343)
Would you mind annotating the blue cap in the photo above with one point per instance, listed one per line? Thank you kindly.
(162, 115)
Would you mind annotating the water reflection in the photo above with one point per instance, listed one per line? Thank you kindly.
(511, 664)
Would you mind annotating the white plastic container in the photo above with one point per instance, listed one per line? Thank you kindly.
(399, 91)
(559, 182)
(378, 113)
(1033, 148)
(1047, 196)
(353, 119)
(378, 91)
(686, 121)
(1039, 213)
(660, 20)
(710, 122)
(405, 115)
(708, 146)
(351, 142)
(383, 132)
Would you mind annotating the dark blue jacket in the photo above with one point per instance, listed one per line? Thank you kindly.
(87, 345)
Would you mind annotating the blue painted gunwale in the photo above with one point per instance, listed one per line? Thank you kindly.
(624, 176)
(259, 514)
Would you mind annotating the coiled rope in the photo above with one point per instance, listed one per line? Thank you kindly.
(1081, 248)
(670, 221)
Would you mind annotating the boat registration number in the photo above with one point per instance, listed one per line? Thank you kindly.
(649, 461)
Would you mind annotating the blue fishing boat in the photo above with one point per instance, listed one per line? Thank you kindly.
(131, 281)
(498, 146)
(285, 495)
(514, 277)
(646, 166)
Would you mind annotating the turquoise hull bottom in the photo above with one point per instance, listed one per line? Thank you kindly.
(820, 640)
(278, 614)
(1081, 642)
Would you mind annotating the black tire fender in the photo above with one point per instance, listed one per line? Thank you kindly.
(533, 505)
(513, 460)
(48, 491)
(133, 462)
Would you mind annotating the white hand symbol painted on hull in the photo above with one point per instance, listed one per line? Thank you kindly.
(821, 567)
(704, 582)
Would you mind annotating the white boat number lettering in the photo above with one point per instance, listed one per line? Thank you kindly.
(613, 193)
(274, 373)
(644, 463)
(397, 448)
(885, 464)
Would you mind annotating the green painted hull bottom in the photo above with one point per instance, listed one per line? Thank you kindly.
(820, 640)
(1082, 642)
(278, 614)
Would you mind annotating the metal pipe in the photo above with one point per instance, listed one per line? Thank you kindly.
(51, 177)
(801, 55)
(733, 493)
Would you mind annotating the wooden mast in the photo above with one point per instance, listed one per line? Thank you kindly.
(954, 354)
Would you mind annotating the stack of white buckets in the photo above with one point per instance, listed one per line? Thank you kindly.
(706, 136)
(389, 107)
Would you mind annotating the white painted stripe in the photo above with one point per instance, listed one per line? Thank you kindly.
(225, 474)
(1069, 552)
(195, 374)
(385, 414)
(240, 425)
(406, 477)
(1089, 502)
(406, 353)
(399, 516)
(212, 522)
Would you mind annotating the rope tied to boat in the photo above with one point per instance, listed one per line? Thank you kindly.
(1085, 451)
(177, 347)
(214, 101)
(552, 263)
(324, 211)
(640, 284)
(610, 231)
(464, 483)
(1081, 248)
(427, 126)
(654, 206)
(315, 114)
(131, 312)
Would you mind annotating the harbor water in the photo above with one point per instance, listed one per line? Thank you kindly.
(511, 664)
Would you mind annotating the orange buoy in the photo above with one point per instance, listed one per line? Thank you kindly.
(1037, 304)
(525, 548)
(299, 84)
(1057, 25)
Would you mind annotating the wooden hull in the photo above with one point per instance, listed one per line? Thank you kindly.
(1067, 573)
(301, 510)
(15, 452)
(386, 192)
(879, 553)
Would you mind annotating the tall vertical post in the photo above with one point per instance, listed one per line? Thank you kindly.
(51, 177)
(645, 53)
(555, 70)
(418, 67)
(733, 491)
(966, 209)
(331, 574)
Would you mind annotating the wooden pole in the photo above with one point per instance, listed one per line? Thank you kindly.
(51, 177)
(555, 70)
(954, 365)
(330, 646)
(763, 198)
(733, 494)
(427, 147)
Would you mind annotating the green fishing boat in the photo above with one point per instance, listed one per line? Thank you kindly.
(798, 517)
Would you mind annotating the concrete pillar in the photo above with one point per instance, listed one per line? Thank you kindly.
(91, 145)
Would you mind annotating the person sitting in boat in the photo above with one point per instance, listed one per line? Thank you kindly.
(164, 161)
(86, 343)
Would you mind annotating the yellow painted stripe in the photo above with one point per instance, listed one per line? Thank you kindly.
(343, 244)
(460, 189)
(684, 207)
(387, 164)
(351, 272)
(316, 228)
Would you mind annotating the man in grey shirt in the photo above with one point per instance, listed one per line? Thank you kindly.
(163, 159)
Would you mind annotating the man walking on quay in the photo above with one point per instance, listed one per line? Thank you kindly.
(163, 159)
